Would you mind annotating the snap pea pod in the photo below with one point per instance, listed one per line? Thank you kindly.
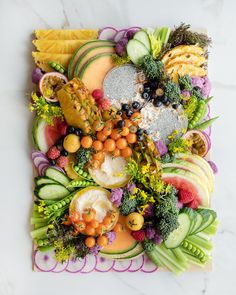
(206, 124)
(81, 183)
(199, 114)
(57, 67)
(83, 174)
(194, 250)
(42, 242)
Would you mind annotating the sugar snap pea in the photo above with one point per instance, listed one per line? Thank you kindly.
(57, 67)
(206, 124)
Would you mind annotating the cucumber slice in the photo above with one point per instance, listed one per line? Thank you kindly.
(177, 236)
(142, 36)
(57, 176)
(197, 224)
(43, 180)
(208, 216)
(51, 191)
(192, 215)
(136, 51)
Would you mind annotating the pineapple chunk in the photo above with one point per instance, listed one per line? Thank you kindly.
(41, 59)
(66, 34)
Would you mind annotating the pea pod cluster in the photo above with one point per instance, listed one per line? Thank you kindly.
(83, 174)
(57, 67)
(199, 114)
(81, 183)
(194, 250)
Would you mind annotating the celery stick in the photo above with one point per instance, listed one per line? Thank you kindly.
(180, 256)
(39, 233)
(39, 225)
(36, 214)
(193, 259)
(35, 220)
(201, 242)
(168, 264)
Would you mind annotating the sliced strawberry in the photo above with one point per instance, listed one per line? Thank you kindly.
(193, 204)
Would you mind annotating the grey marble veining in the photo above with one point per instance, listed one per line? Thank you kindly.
(18, 19)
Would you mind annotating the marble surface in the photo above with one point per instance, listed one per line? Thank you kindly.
(18, 18)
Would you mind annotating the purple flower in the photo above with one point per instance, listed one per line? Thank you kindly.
(161, 147)
(206, 89)
(36, 75)
(149, 212)
(197, 82)
(186, 93)
(150, 233)
(116, 196)
(157, 239)
(180, 205)
(111, 237)
(94, 250)
(131, 187)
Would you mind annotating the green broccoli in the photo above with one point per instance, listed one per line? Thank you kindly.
(128, 205)
(151, 68)
(172, 91)
(83, 156)
(148, 245)
(185, 82)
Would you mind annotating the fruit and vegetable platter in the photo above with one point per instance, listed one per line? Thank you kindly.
(121, 150)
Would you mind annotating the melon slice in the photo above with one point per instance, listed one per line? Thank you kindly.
(191, 167)
(90, 53)
(203, 164)
(66, 34)
(186, 180)
(81, 50)
(124, 246)
(95, 70)
(112, 173)
(41, 59)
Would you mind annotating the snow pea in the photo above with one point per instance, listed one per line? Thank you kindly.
(206, 124)
(57, 67)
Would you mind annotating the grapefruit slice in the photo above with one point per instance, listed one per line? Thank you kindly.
(186, 180)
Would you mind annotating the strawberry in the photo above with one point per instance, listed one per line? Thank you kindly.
(104, 104)
(62, 161)
(193, 204)
(138, 235)
(185, 196)
(53, 153)
(97, 94)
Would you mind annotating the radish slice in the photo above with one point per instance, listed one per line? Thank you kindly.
(91, 263)
(148, 266)
(213, 166)
(136, 264)
(107, 33)
(122, 266)
(104, 265)
(119, 35)
(58, 168)
(76, 265)
(131, 31)
(38, 154)
(38, 161)
(45, 261)
(208, 140)
(41, 168)
(61, 267)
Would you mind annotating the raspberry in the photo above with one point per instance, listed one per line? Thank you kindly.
(138, 235)
(185, 196)
(104, 104)
(62, 161)
(97, 94)
(53, 153)
(193, 204)
(62, 128)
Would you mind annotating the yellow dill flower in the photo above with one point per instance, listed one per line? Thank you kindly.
(142, 208)
(151, 200)
(145, 169)
(118, 174)
(31, 107)
(135, 190)
(51, 226)
(143, 195)
(46, 108)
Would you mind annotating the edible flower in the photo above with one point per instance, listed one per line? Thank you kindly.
(116, 196)
(111, 237)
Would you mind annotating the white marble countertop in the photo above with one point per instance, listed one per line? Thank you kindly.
(18, 18)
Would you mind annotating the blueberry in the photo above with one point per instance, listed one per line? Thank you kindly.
(64, 153)
(120, 124)
(146, 95)
(78, 131)
(71, 129)
(139, 131)
(175, 106)
(164, 99)
(157, 103)
(119, 113)
(167, 103)
(154, 84)
(147, 87)
(140, 138)
(125, 107)
(136, 105)
(53, 162)
(128, 113)
(153, 95)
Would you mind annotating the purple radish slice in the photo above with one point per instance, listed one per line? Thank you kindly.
(122, 266)
(45, 261)
(136, 264)
(58, 169)
(208, 139)
(36, 75)
(131, 31)
(36, 154)
(121, 46)
(119, 35)
(61, 267)
(213, 166)
(148, 266)
(50, 83)
(42, 168)
(38, 161)
(104, 265)
(107, 33)
(76, 265)
(91, 263)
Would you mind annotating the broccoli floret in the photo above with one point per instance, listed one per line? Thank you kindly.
(172, 91)
(128, 205)
(83, 156)
(151, 68)
(148, 245)
(185, 83)
(197, 93)
(167, 224)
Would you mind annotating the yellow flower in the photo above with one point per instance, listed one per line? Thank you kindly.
(46, 108)
(145, 169)
(143, 195)
(31, 107)
(34, 97)
(135, 191)
(151, 200)
(51, 226)
(141, 209)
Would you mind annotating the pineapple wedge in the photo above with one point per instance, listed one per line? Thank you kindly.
(66, 34)
(58, 46)
(78, 105)
(41, 59)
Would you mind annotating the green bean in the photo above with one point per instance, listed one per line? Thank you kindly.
(198, 114)
(57, 67)
(206, 124)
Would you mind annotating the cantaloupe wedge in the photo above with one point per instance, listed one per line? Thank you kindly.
(66, 34)
(41, 59)
(58, 46)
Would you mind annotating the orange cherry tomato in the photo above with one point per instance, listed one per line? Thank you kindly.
(98, 125)
(121, 143)
(102, 241)
(118, 228)
(107, 130)
(86, 141)
(124, 131)
(126, 152)
(109, 145)
(99, 156)
(115, 134)
(101, 136)
(97, 145)
(80, 226)
(131, 138)
(116, 152)
(88, 215)
(101, 229)
(94, 223)
(136, 118)
(90, 242)
(89, 230)
(109, 124)
(128, 123)
(75, 217)
(107, 221)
